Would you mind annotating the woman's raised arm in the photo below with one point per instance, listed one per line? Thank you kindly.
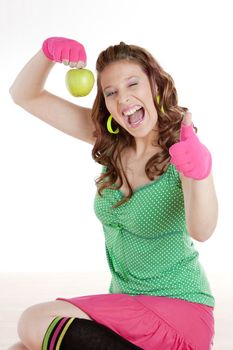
(28, 91)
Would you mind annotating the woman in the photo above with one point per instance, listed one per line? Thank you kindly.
(155, 194)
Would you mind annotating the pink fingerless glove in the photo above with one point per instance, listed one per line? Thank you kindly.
(61, 49)
(190, 156)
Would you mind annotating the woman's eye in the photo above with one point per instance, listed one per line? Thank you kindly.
(110, 93)
(132, 84)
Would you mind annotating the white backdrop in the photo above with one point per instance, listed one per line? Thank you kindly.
(47, 177)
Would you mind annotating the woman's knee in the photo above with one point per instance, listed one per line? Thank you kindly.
(36, 319)
(32, 326)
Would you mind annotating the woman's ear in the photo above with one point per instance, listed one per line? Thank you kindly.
(156, 89)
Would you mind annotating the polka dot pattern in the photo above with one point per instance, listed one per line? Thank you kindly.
(148, 248)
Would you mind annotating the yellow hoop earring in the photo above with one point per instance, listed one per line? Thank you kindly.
(109, 126)
(158, 101)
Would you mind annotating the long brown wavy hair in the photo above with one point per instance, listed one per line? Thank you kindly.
(108, 147)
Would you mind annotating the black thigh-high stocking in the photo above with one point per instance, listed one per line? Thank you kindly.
(66, 333)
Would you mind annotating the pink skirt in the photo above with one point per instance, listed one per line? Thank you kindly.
(152, 322)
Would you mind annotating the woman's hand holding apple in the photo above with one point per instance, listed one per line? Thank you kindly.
(79, 82)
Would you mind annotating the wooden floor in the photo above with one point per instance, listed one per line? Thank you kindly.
(20, 290)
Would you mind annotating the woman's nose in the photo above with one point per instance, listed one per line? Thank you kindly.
(123, 98)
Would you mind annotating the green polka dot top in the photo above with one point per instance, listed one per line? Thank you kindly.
(148, 248)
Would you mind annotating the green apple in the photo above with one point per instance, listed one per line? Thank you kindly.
(79, 82)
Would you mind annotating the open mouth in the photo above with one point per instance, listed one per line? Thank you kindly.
(134, 117)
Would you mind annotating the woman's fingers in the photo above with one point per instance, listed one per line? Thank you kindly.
(79, 64)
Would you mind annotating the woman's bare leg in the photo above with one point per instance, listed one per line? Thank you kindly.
(18, 346)
(35, 321)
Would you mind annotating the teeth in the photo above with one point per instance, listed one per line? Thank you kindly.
(132, 110)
